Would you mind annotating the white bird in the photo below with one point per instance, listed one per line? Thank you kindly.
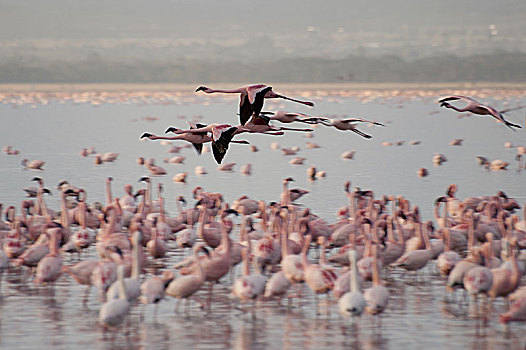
(476, 107)
(353, 302)
(376, 296)
(132, 285)
(113, 313)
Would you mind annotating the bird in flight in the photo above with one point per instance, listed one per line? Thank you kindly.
(251, 98)
(344, 124)
(476, 107)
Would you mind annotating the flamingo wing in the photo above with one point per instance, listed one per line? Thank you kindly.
(259, 98)
(360, 120)
(458, 97)
(220, 145)
(245, 109)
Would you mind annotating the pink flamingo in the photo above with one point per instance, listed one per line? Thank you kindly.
(476, 107)
(49, 268)
(186, 286)
(448, 259)
(153, 290)
(252, 98)
(319, 279)
(248, 287)
(345, 124)
(478, 280)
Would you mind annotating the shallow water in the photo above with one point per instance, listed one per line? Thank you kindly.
(55, 129)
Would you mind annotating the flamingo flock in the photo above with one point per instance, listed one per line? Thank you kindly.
(253, 120)
(476, 244)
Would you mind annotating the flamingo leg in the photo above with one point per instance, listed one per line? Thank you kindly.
(86, 295)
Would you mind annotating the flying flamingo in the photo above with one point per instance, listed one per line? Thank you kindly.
(353, 302)
(287, 117)
(196, 139)
(345, 124)
(260, 123)
(222, 135)
(252, 98)
(476, 107)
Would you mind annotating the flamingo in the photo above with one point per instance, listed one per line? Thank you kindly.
(277, 285)
(345, 124)
(352, 303)
(81, 272)
(478, 280)
(153, 290)
(34, 164)
(215, 266)
(448, 259)
(222, 135)
(416, 259)
(113, 313)
(517, 311)
(248, 287)
(505, 280)
(261, 124)
(287, 117)
(476, 107)
(377, 296)
(320, 279)
(132, 285)
(252, 98)
(49, 268)
(186, 286)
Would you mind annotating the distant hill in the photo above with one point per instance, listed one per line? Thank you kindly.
(495, 67)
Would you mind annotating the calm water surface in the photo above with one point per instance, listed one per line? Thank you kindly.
(56, 129)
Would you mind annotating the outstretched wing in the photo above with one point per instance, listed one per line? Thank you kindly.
(315, 120)
(198, 147)
(197, 126)
(220, 146)
(245, 109)
(458, 97)
(257, 104)
(360, 120)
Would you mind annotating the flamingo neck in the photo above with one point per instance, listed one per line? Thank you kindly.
(354, 274)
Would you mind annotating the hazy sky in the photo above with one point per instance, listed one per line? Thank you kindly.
(199, 18)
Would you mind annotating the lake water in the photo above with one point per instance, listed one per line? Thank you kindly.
(55, 127)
